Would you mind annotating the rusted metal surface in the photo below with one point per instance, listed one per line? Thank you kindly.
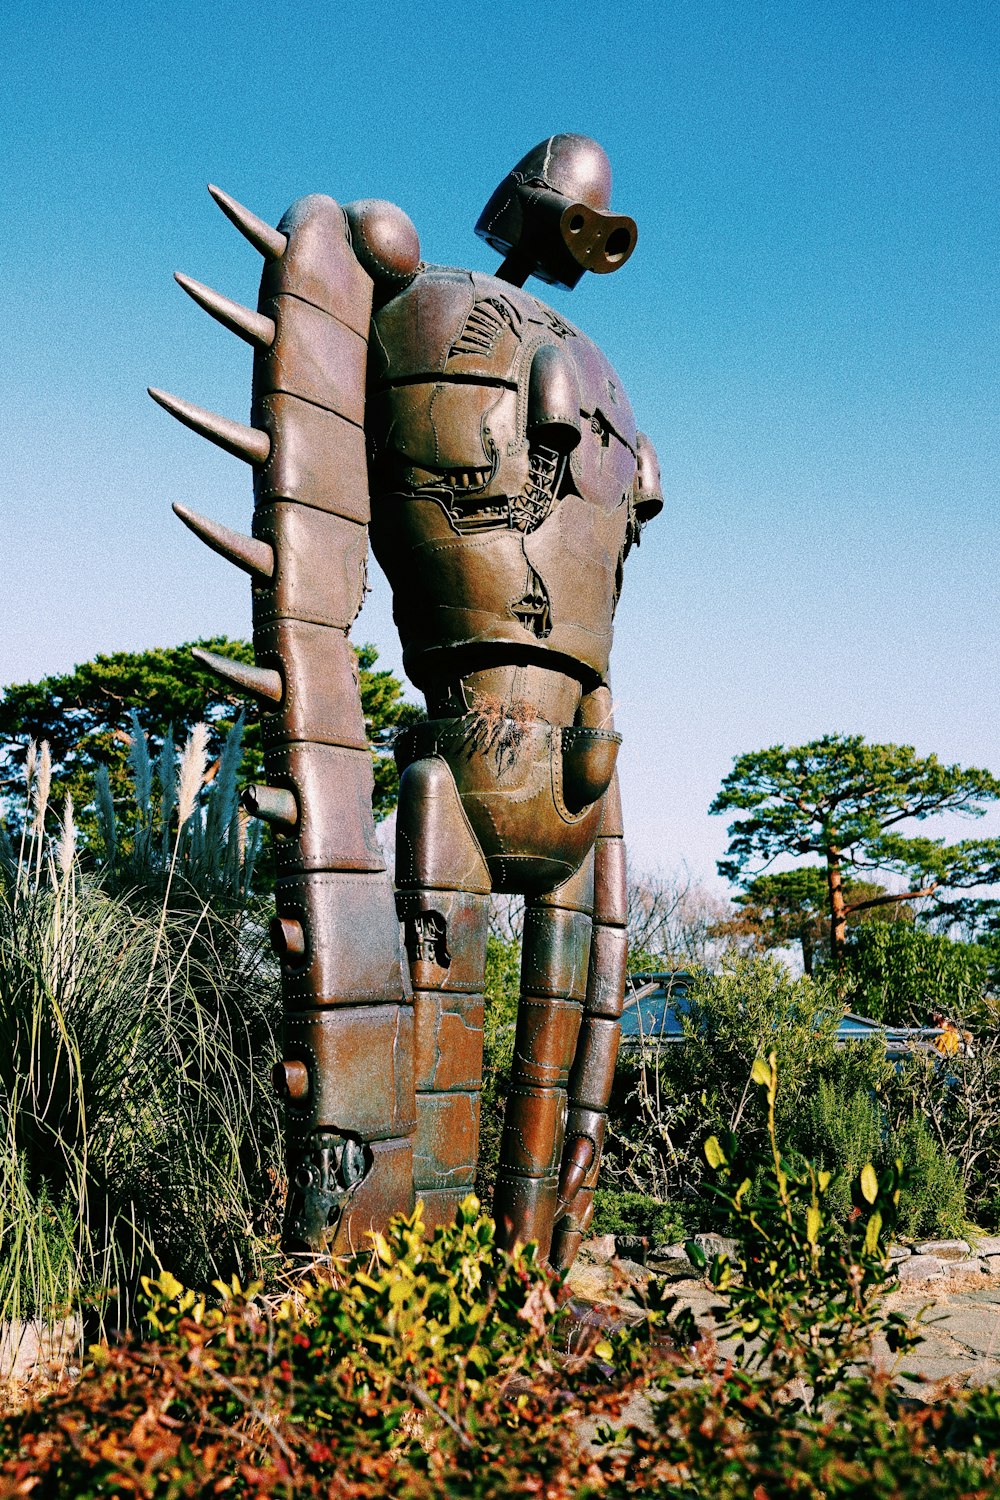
(490, 448)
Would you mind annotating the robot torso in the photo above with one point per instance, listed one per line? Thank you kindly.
(503, 472)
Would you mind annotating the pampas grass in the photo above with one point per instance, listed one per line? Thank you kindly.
(137, 1123)
(191, 774)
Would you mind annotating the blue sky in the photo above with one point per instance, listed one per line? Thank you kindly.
(808, 331)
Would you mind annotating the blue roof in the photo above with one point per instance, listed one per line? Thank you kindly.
(657, 1004)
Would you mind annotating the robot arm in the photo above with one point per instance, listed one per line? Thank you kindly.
(347, 1073)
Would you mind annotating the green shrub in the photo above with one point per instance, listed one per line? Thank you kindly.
(804, 1295)
(841, 1132)
(904, 975)
(439, 1367)
(503, 979)
(934, 1204)
(390, 1377)
(752, 1007)
(637, 1213)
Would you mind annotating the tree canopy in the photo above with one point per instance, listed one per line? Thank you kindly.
(85, 715)
(793, 906)
(844, 800)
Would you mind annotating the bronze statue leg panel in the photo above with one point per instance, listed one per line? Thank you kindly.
(555, 950)
(443, 906)
(597, 1049)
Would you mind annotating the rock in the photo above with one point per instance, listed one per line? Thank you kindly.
(668, 1252)
(921, 1268)
(27, 1347)
(971, 1266)
(635, 1246)
(992, 1263)
(944, 1249)
(715, 1244)
(632, 1269)
(601, 1250)
(670, 1262)
(988, 1245)
(899, 1252)
(975, 1326)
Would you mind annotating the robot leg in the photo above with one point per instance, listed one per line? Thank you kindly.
(442, 898)
(555, 951)
(597, 1049)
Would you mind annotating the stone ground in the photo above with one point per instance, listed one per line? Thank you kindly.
(961, 1304)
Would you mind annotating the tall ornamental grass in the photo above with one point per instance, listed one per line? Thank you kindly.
(138, 1003)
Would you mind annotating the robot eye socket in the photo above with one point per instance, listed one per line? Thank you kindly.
(576, 223)
(618, 244)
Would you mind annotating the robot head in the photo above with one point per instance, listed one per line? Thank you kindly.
(549, 217)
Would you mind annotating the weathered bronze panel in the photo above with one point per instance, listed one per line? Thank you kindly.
(441, 1204)
(435, 846)
(448, 1041)
(545, 1041)
(332, 787)
(314, 357)
(576, 893)
(328, 594)
(444, 933)
(387, 1189)
(360, 1065)
(352, 940)
(610, 883)
(555, 952)
(444, 1148)
(612, 823)
(607, 972)
(318, 264)
(316, 458)
(524, 1208)
(319, 671)
(594, 1066)
(533, 1130)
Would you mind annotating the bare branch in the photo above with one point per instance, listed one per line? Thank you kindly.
(887, 900)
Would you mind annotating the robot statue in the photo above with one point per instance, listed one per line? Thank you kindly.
(491, 450)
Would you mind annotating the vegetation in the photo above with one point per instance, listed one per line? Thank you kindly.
(503, 969)
(89, 716)
(793, 906)
(839, 1106)
(843, 799)
(444, 1366)
(907, 976)
(138, 1004)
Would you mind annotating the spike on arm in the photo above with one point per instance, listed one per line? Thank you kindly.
(246, 552)
(248, 443)
(262, 683)
(253, 327)
(269, 242)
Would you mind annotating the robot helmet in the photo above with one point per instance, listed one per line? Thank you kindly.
(550, 215)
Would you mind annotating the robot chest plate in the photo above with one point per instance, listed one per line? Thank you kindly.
(450, 360)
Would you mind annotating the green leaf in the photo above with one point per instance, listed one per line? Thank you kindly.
(872, 1233)
(813, 1221)
(761, 1073)
(869, 1183)
(714, 1154)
